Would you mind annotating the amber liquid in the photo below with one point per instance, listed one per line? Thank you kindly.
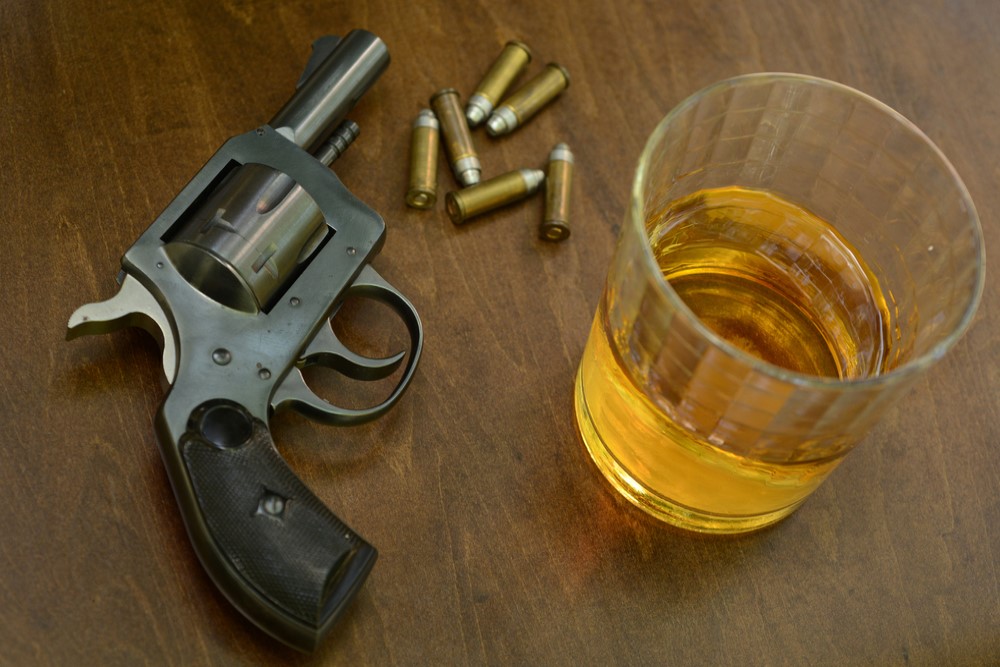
(774, 281)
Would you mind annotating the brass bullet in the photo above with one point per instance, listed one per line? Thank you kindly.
(455, 133)
(527, 100)
(492, 194)
(424, 140)
(512, 61)
(558, 181)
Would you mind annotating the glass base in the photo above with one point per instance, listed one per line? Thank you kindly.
(655, 503)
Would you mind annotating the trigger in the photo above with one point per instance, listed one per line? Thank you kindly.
(133, 306)
(327, 350)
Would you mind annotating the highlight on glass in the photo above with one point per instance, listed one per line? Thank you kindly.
(795, 255)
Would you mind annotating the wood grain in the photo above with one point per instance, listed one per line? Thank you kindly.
(499, 542)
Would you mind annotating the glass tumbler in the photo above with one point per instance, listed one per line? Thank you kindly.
(794, 256)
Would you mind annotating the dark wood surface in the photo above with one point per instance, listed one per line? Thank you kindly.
(499, 541)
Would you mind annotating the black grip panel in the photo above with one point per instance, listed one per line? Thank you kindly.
(283, 558)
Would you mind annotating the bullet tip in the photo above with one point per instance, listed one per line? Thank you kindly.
(496, 126)
(469, 177)
(475, 115)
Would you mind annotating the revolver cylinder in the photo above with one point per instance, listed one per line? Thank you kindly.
(250, 236)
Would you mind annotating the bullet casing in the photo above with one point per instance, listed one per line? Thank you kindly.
(424, 142)
(457, 139)
(528, 100)
(558, 182)
(493, 193)
(513, 60)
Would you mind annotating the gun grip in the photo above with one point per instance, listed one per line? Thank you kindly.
(272, 546)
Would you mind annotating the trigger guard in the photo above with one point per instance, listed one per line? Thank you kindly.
(371, 285)
(293, 392)
(327, 350)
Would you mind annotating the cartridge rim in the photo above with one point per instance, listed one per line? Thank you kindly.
(454, 207)
(421, 198)
(522, 45)
(443, 91)
(562, 69)
(553, 230)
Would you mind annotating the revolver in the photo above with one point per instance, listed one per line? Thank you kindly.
(238, 280)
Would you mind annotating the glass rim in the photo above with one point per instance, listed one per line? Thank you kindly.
(911, 366)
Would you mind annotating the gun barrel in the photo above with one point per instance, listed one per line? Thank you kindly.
(324, 99)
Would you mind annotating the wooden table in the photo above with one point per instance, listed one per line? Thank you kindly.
(499, 542)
